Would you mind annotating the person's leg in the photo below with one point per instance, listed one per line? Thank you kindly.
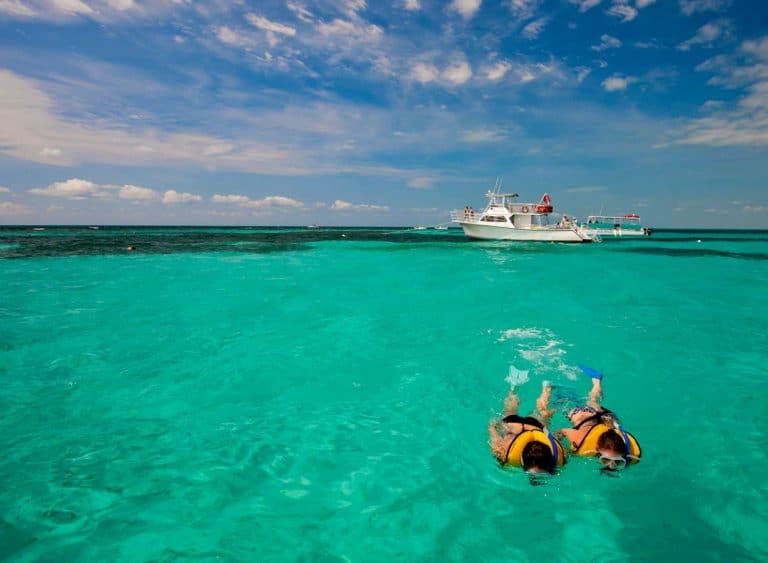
(542, 403)
(596, 394)
(511, 403)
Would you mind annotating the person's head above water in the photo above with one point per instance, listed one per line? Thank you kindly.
(537, 458)
(612, 450)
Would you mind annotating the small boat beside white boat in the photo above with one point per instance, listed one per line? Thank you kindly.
(506, 219)
(628, 225)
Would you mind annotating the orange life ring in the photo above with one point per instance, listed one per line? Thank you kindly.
(525, 209)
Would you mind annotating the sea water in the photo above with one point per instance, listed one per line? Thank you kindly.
(324, 395)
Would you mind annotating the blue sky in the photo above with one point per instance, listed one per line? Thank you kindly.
(350, 112)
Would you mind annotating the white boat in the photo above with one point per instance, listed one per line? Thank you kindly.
(419, 228)
(505, 219)
(616, 226)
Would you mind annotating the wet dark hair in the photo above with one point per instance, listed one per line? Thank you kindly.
(612, 440)
(538, 455)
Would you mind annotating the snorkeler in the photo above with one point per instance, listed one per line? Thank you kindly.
(525, 441)
(596, 431)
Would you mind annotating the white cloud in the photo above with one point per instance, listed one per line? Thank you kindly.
(458, 72)
(482, 136)
(274, 201)
(744, 122)
(652, 44)
(581, 73)
(48, 152)
(607, 42)
(643, 3)
(622, 10)
(689, 7)
(30, 123)
(74, 188)
(585, 5)
(358, 30)
(412, 5)
(467, 8)
(137, 193)
(16, 8)
(424, 73)
(711, 105)
(524, 9)
(584, 189)
(534, 29)
(497, 71)
(707, 34)
(71, 7)
(272, 28)
(10, 208)
(755, 209)
(617, 83)
(267, 202)
(421, 183)
(172, 196)
(341, 205)
(238, 199)
(121, 5)
(229, 36)
(263, 23)
(4, 190)
(301, 12)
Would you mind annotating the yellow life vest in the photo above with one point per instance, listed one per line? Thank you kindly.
(588, 446)
(515, 449)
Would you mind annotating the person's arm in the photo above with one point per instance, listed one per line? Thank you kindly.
(498, 444)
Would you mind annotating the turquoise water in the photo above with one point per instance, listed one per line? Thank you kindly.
(324, 395)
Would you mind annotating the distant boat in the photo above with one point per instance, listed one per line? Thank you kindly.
(313, 226)
(441, 227)
(94, 228)
(616, 226)
(505, 219)
(38, 228)
(420, 228)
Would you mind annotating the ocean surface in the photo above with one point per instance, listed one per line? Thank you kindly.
(324, 395)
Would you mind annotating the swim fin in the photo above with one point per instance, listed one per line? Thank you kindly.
(591, 372)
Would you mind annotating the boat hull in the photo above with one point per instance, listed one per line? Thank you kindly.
(494, 232)
(618, 233)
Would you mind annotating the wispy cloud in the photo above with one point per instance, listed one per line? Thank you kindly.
(742, 123)
(585, 5)
(421, 183)
(483, 136)
(607, 42)
(9, 208)
(584, 189)
(497, 71)
(79, 189)
(617, 83)
(74, 188)
(269, 202)
(690, 7)
(534, 29)
(4, 190)
(458, 72)
(467, 8)
(172, 197)
(707, 34)
(341, 205)
(621, 9)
